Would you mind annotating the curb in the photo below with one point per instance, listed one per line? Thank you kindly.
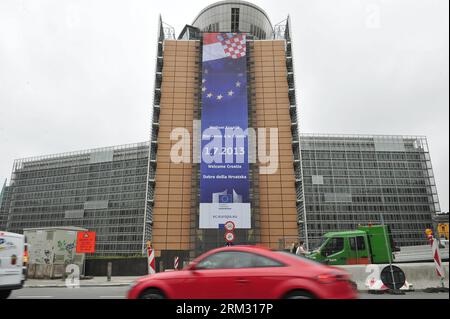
(81, 286)
(375, 292)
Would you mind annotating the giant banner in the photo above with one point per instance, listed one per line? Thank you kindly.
(224, 180)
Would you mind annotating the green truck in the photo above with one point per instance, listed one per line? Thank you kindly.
(370, 244)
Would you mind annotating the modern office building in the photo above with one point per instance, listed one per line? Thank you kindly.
(4, 204)
(350, 180)
(231, 60)
(102, 190)
(231, 68)
(387, 176)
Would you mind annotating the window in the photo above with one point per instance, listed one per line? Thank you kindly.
(236, 260)
(260, 261)
(357, 243)
(333, 246)
(234, 19)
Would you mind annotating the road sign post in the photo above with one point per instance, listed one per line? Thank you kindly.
(394, 286)
(229, 237)
(230, 226)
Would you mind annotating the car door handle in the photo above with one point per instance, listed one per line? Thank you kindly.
(242, 281)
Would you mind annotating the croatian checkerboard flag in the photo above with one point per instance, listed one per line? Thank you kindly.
(223, 45)
(224, 67)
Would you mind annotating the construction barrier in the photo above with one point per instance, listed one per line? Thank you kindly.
(151, 259)
(420, 275)
(374, 283)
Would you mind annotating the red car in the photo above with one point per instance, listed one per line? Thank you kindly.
(245, 272)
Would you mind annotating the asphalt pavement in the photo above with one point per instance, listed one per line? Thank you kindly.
(71, 293)
(407, 295)
(120, 293)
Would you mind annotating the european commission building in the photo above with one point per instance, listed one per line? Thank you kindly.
(225, 146)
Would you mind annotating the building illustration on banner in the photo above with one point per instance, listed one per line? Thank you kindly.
(225, 198)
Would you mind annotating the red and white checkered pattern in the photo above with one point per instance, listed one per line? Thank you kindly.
(234, 47)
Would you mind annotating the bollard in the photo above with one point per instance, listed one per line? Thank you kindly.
(109, 271)
(64, 273)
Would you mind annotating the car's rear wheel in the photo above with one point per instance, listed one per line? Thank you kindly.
(152, 294)
(4, 294)
(299, 294)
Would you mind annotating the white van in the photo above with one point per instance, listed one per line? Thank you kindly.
(13, 262)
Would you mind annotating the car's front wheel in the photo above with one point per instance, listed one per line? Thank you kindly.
(152, 294)
(299, 294)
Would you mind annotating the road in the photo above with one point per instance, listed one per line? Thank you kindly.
(120, 292)
(71, 293)
(408, 295)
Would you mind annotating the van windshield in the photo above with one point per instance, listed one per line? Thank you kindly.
(334, 245)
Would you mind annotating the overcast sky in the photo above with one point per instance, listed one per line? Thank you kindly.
(78, 74)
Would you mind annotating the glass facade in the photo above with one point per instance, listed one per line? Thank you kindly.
(4, 204)
(102, 190)
(351, 180)
(235, 16)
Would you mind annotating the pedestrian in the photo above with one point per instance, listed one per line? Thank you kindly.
(294, 247)
(301, 250)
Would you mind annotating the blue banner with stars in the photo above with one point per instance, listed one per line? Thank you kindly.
(224, 178)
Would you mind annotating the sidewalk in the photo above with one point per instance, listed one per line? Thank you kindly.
(94, 282)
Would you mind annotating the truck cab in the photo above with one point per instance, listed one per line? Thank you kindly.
(366, 245)
(13, 262)
(343, 248)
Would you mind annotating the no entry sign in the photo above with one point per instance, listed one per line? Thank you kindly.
(229, 237)
(229, 226)
(85, 242)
